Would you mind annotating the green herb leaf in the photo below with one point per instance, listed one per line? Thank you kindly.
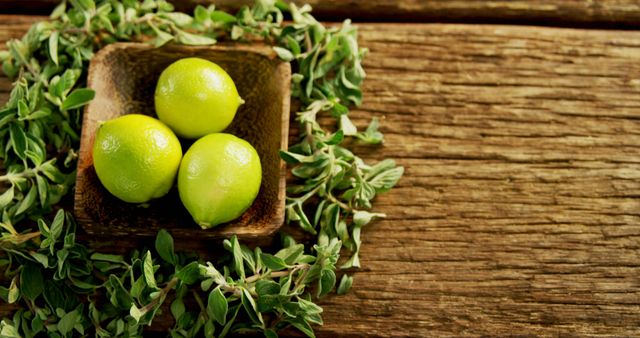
(222, 17)
(148, 271)
(327, 282)
(135, 313)
(78, 98)
(195, 40)
(283, 53)
(190, 273)
(107, 258)
(345, 284)
(272, 262)
(250, 307)
(237, 256)
(164, 246)
(31, 281)
(14, 291)
(53, 46)
(68, 321)
(18, 139)
(217, 306)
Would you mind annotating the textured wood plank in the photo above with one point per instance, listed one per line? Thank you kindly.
(605, 13)
(519, 212)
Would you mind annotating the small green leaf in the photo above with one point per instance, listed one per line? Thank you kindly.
(53, 46)
(272, 262)
(237, 256)
(107, 258)
(362, 217)
(284, 53)
(200, 14)
(162, 38)
(119, 296)
(222, 17)
(294, 158)
(147, 267)
(177, 308)
(270, 333)
(250, 307)
(194, 39)
(305, 224)
(386, 179)
(217, 306)
(56, 225)
(303, 326)
(190, 273)
(371, 135)
(18, 139)
(52, 172)
(66, 82)
(78, 98)
(267, 287)
(236, 32)
(6, 197)
(43, 189)
(347, 127)
(327, 282)
(14, 291)
(309, 307)
(31, 281)
(59, 10)
(135, 313)
(336, 138)
(23, 109)
(40, 258)
(68, 321)
(29, 200)
(345, 284)
(180, 19)
(164, 246)
(291, 253)
(294, 46)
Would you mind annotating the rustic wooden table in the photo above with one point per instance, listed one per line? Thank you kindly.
(519, 212)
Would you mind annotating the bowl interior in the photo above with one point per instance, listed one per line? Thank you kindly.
(124, 77)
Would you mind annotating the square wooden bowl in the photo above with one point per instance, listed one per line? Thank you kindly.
(124, 77)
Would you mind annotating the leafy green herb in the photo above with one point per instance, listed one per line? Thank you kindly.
(66, 289)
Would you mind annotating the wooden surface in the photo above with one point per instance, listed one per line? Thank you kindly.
(519, 212)
(604, 13)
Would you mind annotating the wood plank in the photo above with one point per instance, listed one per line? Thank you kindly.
(520, 208)
(519, 211)
(603, 13)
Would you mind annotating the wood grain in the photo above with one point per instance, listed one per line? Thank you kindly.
(604, 13)
(519, 213)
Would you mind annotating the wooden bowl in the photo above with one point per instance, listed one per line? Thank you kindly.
(124, 77)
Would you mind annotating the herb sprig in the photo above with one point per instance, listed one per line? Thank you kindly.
(91, 293)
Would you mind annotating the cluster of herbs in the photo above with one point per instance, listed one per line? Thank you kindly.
(245, 290)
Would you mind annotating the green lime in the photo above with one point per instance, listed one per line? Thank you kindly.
(219, 178)
(136, 157)
(195, 97)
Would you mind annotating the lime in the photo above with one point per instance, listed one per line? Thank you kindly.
(219, 178)
(196, 97)
(136, 157)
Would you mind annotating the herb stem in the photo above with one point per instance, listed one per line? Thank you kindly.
(20, 238)
(339, 202)
(158, 300)
(203, 308)
(27, 173)
(277, 274)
